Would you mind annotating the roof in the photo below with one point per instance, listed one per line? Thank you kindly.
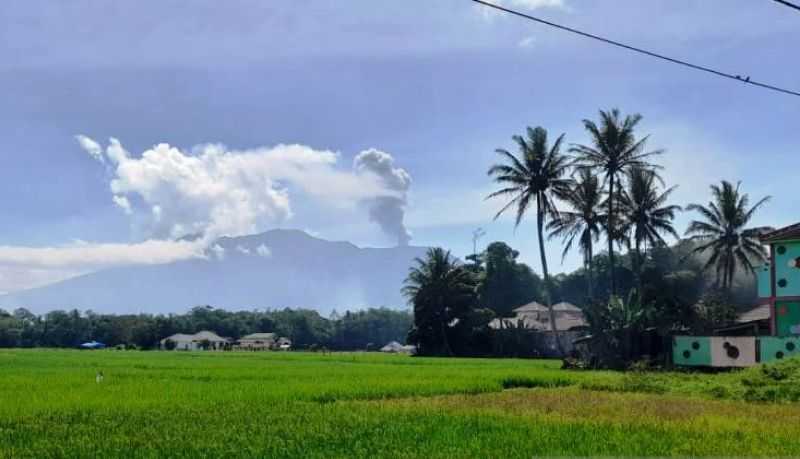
(179, 337)
(392, 346)
(787, 233)
(258, 336)
(564, 306)
(200, 336)
(533, 306)
(758, 313)
(209, 335)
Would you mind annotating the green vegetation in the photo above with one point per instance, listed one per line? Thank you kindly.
(368, 405)
(306, 328)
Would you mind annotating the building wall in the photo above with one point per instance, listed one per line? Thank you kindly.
(787, 273)
(764, 277)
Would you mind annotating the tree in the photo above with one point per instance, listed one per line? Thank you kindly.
(442, 292)
(505, 283)
(723, 232)
(539, 175)
(645, 214)
(614, 150)
(585, 221)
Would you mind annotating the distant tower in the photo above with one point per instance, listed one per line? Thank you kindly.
(476, 235)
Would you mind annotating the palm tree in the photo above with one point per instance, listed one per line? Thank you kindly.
(441, 291)
(538, 175)
(584, 221)
(645, 214)
(614, 150)
(723, 231)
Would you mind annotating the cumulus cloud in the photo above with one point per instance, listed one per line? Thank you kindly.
(93, 148)
(214, 191)
(388, 211)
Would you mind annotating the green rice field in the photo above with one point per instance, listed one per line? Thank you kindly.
(180, 404)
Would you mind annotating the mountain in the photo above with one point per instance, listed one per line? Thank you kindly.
(276, 269)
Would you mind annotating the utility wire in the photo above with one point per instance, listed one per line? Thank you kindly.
(640, 50)
(789, 4)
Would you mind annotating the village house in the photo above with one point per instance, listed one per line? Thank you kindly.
(570, 321)
(204, 340)
(536, 316)
(256, 342)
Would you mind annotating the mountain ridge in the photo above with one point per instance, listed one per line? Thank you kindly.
(274, 269)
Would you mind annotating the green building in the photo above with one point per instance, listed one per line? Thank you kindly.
(779, 280)
(779, 289)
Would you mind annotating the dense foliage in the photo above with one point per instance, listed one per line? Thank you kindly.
(350, 331)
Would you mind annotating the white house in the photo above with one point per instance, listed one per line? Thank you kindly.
(200, 340)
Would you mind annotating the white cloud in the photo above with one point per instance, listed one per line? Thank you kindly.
(489, 13)
(215, 191)
(243, 250)
(527, 42)
(93, 148)
(263, 251)
(123, 203)
(218, 251)
(535, 4)
(85, 256)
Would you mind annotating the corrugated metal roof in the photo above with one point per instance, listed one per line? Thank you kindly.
(531, 307)
(758, 313)
(258, 336)
(791, 232)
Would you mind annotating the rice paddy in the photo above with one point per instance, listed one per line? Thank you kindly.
(161, 404)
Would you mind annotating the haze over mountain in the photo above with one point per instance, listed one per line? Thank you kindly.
(275, 269)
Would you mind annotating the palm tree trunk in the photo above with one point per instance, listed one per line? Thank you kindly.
(610, 231)
(638, 260)
(547, 290)
(589, 259)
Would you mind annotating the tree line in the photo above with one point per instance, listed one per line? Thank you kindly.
(352, 330)
(609, 189)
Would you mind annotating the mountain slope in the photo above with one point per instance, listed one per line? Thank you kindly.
(279, 268)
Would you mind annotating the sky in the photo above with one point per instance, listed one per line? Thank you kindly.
(127, 129)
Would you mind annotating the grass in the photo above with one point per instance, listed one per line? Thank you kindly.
(158, 404)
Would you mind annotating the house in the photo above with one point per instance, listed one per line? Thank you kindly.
(93, 345)
(536, 316)
(755, 322)
(779, 280)
(256, 342)
(204, 340)
(392, 347)
(748, 342)
(284, 343)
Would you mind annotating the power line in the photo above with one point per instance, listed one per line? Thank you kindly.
(640, 50)
(789, 4)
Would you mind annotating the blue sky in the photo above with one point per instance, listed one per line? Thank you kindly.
(435, 85)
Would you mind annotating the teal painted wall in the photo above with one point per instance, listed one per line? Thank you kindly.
(691, 350)
(787, 318)
(764, 279)
(787, 272)
(777, 348)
